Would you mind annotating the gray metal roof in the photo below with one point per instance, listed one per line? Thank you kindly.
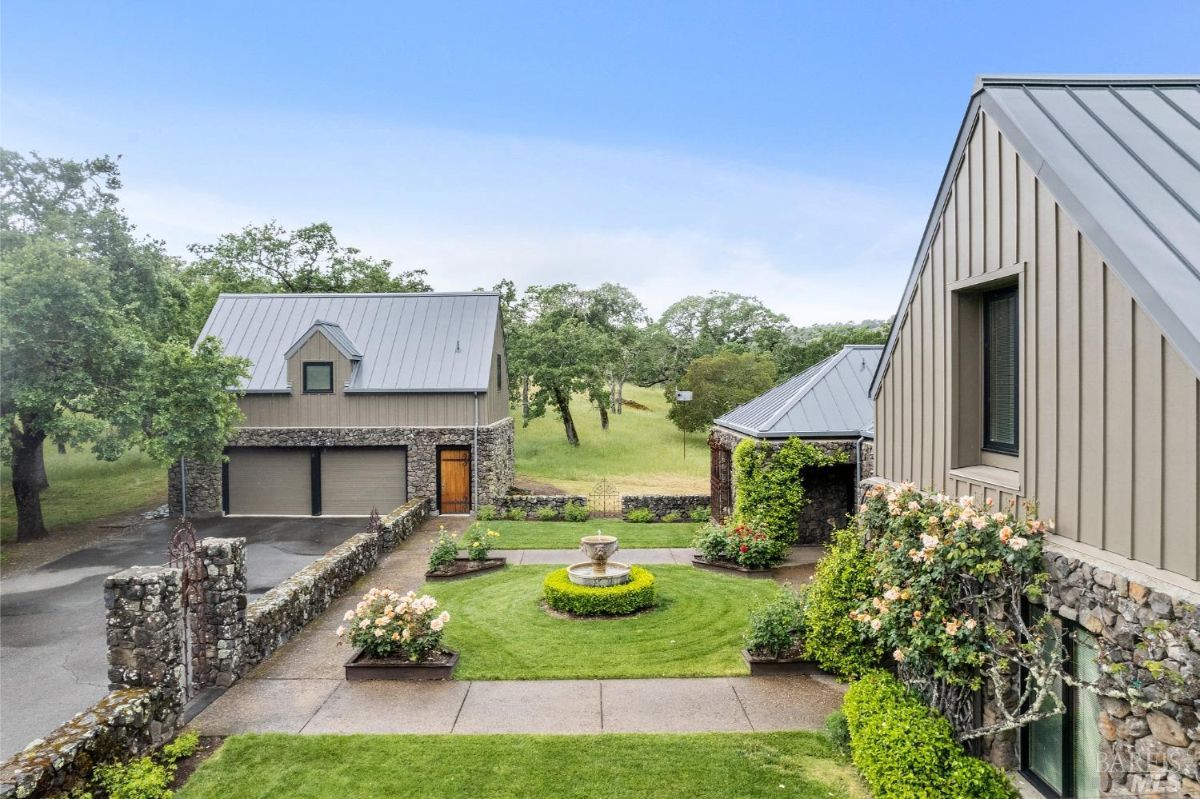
(827, 400)
(337, 337)
(405, 342)
(1121, 155)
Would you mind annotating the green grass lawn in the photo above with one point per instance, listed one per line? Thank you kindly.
(502, 633)
(640, 453)
(83, 488)
(796, 765)
(566, 535)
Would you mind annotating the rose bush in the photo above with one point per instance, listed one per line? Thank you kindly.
(445, 550)
(740, 544)
(478, 542)
(387, 624)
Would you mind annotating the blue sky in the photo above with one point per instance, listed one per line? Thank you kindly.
(786, 150)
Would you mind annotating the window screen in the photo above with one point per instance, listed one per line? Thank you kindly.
(1000, 370)
(318, 378)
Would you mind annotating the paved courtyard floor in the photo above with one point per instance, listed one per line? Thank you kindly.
(301, 687)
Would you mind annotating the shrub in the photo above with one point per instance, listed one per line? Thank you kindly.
(386, 624)
(515, 514)
(477, 541)
(770, 483)
(672, 517)
(547, 514)
(777, 628)
(487, 513)
(842, 583)
(137, 779)
(838, 731)
(445, 550)
(182, 747)
(906, 750)
(618, 600)
(740, 544)
(700, 514)
(639, 515)
(576, 512)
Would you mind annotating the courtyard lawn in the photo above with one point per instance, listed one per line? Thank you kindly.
(566, 535)
(83, 488)
(798, 765)
(502, 633)
(640, 453)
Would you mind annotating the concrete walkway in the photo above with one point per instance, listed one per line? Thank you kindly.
(301, 687)
(712, 704)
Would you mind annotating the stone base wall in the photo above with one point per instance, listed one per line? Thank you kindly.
(284, 610)
(126, 723)
(662, 504)
(1143, 751)
(494, 476)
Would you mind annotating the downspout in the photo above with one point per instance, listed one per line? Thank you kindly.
(475, 460)
(858, 467)
(183, 487)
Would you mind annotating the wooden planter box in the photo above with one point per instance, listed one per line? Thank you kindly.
(363, 667)
(727, 567)
(465, 567)
(766, 667)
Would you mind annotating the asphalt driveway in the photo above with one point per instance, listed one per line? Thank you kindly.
(52, 639)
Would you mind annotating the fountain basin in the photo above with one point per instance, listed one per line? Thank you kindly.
(610, 573)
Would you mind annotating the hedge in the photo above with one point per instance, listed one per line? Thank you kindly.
(618, 600)
(842, 583)
(906, 750)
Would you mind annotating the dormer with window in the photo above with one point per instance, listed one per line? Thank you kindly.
(322, 361)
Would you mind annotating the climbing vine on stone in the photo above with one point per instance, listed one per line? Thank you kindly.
(770, 483)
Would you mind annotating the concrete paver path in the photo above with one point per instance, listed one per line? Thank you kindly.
(301, 687)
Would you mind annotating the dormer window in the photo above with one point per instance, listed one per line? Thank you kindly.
(318, 377)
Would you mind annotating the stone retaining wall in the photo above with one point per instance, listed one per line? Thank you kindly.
(144, 615)
(662, 504)
(285, 609)
(532, 503)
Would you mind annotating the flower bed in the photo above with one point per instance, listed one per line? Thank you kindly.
(775, 638)
(465, 567)
(619, 600)
(738, 547)
(399, 636)
(444, 562)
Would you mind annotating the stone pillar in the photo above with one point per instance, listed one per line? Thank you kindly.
(203, 490)
(145, 639)
(224, 616)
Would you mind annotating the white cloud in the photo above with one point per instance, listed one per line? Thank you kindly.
(474, 208)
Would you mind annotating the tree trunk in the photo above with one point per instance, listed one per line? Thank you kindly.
(525, 400)
(612, 396)
(603, 417)
(620, 393)
(562, 401)
(28, 476)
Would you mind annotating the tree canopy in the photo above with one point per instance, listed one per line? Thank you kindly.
(719, 383)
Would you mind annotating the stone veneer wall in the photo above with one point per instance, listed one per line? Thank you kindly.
(495, 474)
(224, 564)
(1144, 752)
(144, 615)
(662, 504)
(285, 609)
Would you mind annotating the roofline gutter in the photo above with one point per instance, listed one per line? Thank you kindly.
(475, 458)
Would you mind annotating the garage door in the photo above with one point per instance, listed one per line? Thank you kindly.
(356, 480)
(272, 482)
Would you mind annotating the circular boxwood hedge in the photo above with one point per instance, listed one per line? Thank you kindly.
(617, 600)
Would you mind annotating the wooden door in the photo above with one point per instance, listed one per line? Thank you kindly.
(454, 480)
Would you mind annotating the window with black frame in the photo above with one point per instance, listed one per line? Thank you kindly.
(318, 377)
(1000, 364)
(1060, 755)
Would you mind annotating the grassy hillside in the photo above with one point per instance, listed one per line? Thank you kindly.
(640, 453)
(83, 488)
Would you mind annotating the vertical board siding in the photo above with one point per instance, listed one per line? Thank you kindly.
(1110, 417)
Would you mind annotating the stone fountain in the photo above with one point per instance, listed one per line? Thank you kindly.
(599, 571)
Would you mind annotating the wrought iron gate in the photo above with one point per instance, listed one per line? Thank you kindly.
(604, 500)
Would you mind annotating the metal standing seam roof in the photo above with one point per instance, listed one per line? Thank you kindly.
(1121, 155)
(432, 342)
(335, 334)
(827, 400)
